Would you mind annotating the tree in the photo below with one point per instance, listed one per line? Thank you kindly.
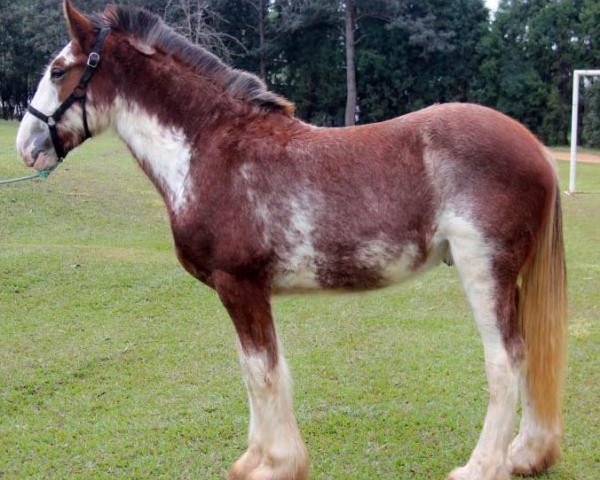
(590, 133)
(260, 8)
(31, 32)
(342, 61)
(309, 58)
(194, 19)
(413, 54)
(589, 34)
(528, 57)
(249, 31)
(350, 13)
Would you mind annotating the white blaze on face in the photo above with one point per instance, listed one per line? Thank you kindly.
(33, 133)
(164, 150)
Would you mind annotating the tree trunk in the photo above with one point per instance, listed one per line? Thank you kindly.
(350, 68)
(261, 37)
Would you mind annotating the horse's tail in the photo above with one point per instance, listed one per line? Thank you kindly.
(543, 317)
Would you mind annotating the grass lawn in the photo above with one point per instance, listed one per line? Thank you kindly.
(114, 363)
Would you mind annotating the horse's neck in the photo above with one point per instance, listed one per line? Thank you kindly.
(163, 151)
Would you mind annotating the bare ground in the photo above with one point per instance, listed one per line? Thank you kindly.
(581, 156)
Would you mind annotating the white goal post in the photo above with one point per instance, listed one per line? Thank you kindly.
(574, 114)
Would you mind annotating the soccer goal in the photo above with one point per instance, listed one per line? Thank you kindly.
(577, 74)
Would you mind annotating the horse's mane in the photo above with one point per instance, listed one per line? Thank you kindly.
(150, 29)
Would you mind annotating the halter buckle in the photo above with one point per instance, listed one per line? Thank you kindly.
(93, 60)
(51, 122)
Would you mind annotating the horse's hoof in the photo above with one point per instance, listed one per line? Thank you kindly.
(529, 457)
(249, 461)
(265, 472)
(473, 473)
(253, 465)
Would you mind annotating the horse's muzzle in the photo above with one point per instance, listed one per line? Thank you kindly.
(37, 151)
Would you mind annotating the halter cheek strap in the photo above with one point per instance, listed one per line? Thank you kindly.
(79, 94)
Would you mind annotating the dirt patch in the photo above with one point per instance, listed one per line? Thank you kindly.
(581, 156)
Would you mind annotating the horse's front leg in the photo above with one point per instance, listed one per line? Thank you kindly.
(275, 449)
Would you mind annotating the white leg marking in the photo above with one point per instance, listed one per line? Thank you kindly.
(275, 448)
(472, 256)
(164, 150)
(535, 441)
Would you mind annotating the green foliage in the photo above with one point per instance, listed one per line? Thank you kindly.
(528, 57)
(310, 59)
(591, 117)
(556, 112)
(30, 33)
(408, 54)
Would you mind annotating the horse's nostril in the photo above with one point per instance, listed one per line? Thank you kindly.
(36, 153)
(29, 160)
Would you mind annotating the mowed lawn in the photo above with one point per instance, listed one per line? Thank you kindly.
(115, 363)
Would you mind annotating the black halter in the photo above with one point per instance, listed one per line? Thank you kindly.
(77, 95)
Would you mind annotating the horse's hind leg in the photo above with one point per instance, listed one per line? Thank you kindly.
(492, 295)
(275, 449)
(537, 446)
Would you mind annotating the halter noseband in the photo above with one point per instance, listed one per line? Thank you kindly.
(77, 95)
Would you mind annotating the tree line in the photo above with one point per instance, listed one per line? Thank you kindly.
(347, 61)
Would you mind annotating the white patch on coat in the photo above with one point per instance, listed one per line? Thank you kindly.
(402, 267)
(297, 268)
(397, 263)
(258, 203)
(99, 118)
(392, 262)
(472, 256)
(273, 435)
(165, 150)
(375, 254)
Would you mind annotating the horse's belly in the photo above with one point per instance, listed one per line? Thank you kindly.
(373, 264)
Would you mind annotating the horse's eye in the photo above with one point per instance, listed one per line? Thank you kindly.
(57, 73)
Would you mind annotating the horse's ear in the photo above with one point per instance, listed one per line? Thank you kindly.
(80, 27)
(142, 47)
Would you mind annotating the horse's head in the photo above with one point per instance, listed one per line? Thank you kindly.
(123, 65)
(66, 107)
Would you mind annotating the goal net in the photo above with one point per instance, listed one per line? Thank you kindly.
(577, 74)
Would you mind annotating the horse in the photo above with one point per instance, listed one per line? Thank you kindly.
(261, 203)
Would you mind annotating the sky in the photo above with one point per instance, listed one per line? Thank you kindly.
(491, 4)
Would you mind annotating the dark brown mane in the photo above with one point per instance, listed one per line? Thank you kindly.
(150, 29)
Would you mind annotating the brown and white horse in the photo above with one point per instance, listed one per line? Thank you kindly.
(260, 202)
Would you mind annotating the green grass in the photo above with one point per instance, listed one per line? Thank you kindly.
(114, 363)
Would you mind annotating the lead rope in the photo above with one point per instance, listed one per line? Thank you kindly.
(42, 175)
